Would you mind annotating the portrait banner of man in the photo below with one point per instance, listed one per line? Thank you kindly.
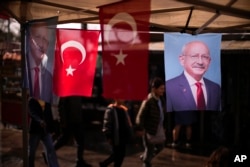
(192, 72)
(40, 45)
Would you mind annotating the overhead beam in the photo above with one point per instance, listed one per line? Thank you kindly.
(169, 10)
(231, 29)
(5, 8)
(221, 8)
(164, 28)
(188, 19)
(215, 16)
(159, 37)
(76, 9)
(79, 20)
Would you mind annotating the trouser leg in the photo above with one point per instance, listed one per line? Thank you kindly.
(79, 137)
(158, 148)
(109, 160)
(148, 151)
(33, 144)
(119, 154)
(50, 151)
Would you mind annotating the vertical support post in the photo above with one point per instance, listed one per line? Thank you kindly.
(24, 99)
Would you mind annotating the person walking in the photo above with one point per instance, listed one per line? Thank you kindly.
(40, 130)
(71, 120)
(150, 119)
(117, 128)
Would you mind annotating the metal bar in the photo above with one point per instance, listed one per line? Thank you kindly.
(188, 20)
(213, 18)
(222, 8)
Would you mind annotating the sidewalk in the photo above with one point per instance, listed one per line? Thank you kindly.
(96, 150)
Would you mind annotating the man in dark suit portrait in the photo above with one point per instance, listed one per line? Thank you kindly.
(40, 76)
(181, 91)
(190, 91)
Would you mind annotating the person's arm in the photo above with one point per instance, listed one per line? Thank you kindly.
(107, 123)
(141, 114)
(34, 108)
(140, 119)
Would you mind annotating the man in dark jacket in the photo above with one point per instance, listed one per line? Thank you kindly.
(117, 129)
(151, 119)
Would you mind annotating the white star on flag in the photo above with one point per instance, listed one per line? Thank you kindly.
(120, 57)
(70, 70)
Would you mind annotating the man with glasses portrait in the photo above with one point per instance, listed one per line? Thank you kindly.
(40, 76)
(182, 90)
(191, 91)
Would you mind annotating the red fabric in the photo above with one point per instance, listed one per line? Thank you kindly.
(201, 105)
(75, 50)
(36, 83)
(4, 16)
(125, 34)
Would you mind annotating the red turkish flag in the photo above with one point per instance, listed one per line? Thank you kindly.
(125, 35)
(75, 62)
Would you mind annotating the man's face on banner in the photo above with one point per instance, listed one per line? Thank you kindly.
(39, 40)
(195, 59)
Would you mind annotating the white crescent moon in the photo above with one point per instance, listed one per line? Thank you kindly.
(74, 44)
(121, 17)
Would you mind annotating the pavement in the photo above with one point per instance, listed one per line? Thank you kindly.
(97, 149)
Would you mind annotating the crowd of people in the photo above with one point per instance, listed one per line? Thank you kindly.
(118, 129)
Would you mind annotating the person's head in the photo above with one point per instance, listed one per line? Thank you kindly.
(195, 58)
(158, 87)
(118, 101)
(219, 157)
(39, 41)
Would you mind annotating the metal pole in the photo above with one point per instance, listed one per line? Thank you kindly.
(24, 99)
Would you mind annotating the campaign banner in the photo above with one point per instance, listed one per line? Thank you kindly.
(192, 71)
(39, 57)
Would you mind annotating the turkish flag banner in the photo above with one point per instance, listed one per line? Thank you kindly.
(75, 62)
(125, 35)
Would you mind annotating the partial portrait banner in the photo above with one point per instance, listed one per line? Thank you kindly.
(39, 56)
(192, 71)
